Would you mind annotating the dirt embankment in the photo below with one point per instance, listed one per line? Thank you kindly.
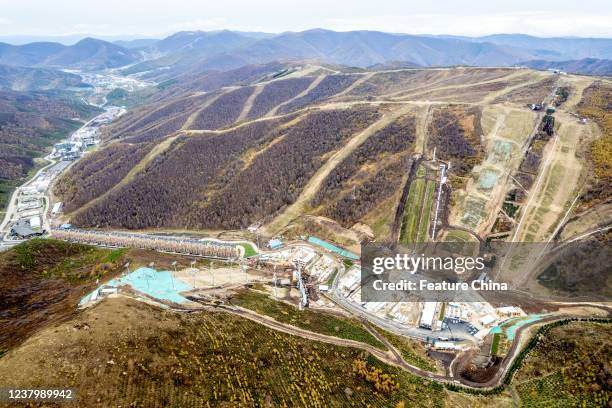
(43, 280)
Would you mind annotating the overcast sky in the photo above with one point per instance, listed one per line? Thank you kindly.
(157, 18)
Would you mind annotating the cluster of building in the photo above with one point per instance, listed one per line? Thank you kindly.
(474, 319)
(67, 151)
(104, 83)
(28, 222)
(29, 215)
(85, 137)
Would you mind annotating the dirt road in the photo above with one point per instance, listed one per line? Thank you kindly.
(313, 185)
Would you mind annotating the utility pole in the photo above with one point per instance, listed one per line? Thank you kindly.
(172, 276)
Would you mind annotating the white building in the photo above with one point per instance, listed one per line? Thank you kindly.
(509, 311)
(57, 207)
(445, 345)
(487, 320)
(428, 315)
(35, 222)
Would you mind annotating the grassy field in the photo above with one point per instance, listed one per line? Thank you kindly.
(459, 236)
(306, 319)
(248, 250)
(412, 211)
(495, 344)
(419, 204)
(415, 222)
(42, 281)
(427, 207)
(73, 263)
(158, 358)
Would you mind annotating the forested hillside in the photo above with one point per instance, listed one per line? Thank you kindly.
(29, 124)
(224, 152)
(596, 106)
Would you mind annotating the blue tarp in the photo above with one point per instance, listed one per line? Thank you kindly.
(275, 243)
(160, 285)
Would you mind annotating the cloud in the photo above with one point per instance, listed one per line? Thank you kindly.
(535, 23)
(199, 24)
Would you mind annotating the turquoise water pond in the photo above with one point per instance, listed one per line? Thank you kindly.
(333, 248)
(511, 330)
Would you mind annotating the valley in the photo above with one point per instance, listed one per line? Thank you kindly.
(192, 227)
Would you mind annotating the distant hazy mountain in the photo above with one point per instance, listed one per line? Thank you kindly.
(365, 48)
(560, 48)
(66, 39)
(194, 52)
(202, 42)
(88, 53)
(138, 43)
(589, 66)
(36, 79)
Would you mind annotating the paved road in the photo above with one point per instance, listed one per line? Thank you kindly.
(391, 356)
(54, 168)
(392, 326)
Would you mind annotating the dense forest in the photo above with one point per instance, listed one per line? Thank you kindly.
(231, 179)
(370, 175)
(455, 133)
(151, 117)
(224, 110)
(175, 180)
(30, 123)
(329, 86)
(276, 177)
(229, 175)
(104, 168)
(276, 93)
(595, 105)
(214, 80)
(159, 131)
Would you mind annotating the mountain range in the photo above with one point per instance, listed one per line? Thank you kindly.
(200, 51)
(589, 66)
(89, 53)
(25, 79)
